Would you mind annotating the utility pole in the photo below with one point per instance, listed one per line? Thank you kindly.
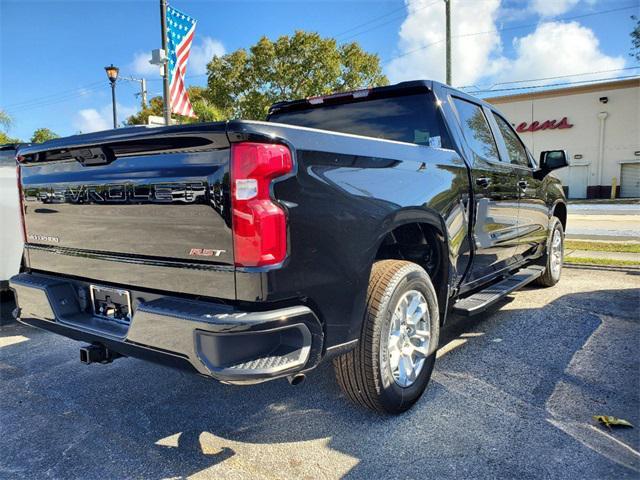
(143, 92)
(447, 7)
(165, 68)
(143, 88)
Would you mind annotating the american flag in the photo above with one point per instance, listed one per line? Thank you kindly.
(180, 31)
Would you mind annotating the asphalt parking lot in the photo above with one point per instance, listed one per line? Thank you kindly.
(512, 397)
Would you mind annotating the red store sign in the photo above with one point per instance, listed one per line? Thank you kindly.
(546, 125)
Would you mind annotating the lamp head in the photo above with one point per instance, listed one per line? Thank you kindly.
(112, 72)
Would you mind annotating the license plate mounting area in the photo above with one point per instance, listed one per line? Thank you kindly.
(111, 303)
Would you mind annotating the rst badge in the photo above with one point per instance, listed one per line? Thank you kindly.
(206, 252)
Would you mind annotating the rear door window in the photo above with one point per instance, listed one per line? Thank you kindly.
(515, 148)
(476, 130)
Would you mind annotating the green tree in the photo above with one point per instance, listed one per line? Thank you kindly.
(42, 135)
(5, 122)
(4, 139)
(202, 107)
(153, 108)
(244, 84)
(5, 119)
(635, 39)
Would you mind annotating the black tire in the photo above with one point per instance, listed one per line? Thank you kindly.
(551, 276)
(363, 373)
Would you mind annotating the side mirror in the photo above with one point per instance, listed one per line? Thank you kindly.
(553, 160)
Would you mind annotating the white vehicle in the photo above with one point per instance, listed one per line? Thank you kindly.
(11, 241)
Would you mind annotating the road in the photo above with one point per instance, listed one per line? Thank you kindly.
(604, 221)
(512, 397)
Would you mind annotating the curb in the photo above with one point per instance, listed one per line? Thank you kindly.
(590, 266)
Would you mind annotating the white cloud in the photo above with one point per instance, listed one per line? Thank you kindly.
(89, 120)
(92, 120)
(473, 56)
(202, 53)
(140, 65)
(557, 48)
(552, 49)
(551, 8)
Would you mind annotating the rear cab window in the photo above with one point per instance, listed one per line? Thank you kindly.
(515, 148)
(413, 118)
(476, 130)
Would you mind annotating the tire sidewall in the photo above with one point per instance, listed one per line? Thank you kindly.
(393, 396)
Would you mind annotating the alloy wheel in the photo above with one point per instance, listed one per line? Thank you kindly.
(409, 338)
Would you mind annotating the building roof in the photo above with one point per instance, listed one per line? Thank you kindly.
(561, 92)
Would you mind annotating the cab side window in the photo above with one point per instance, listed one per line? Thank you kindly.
(515, 149)
(476, 130)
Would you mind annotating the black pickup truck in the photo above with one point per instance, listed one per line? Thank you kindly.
(345, 227)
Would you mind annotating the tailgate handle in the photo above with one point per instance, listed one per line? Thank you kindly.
(93, 156)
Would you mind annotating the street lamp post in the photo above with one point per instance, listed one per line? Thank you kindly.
(112, 74)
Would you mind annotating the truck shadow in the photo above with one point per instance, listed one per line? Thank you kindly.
(493, 406)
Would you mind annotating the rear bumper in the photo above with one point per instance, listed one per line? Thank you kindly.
(215, 340)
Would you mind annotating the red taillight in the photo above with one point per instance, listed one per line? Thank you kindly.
(21, 200)
(259, 224)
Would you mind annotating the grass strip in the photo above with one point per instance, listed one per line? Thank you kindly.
(602, 261)
(602, 246)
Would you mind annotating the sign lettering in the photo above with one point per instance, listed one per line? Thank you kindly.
(546, 125)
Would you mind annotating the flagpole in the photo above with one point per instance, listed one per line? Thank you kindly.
(165, 72)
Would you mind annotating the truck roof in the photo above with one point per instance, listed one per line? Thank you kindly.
(402, 88)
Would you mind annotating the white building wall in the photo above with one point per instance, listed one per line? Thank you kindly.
(583, 110)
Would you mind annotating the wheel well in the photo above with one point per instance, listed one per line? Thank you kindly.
(419, 243)
(560, 211)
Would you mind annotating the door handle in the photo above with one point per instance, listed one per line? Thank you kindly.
(483, 182)
(523, 184)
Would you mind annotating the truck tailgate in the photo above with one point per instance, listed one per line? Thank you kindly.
(148, 208)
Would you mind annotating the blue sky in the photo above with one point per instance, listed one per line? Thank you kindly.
(52, 53)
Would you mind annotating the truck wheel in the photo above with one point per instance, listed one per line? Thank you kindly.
(392, 364)
(554, 255)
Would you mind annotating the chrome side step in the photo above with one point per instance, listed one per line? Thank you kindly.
(482, 300)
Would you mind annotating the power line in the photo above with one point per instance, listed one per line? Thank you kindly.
(50, 102)
(380, 25)
(50, 96)
(55, 98)
(370, 21)
(505, 29)
(511, 89)
(553, 78)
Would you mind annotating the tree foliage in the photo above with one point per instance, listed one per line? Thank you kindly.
(5, 123)
(244, 84)
(4, 139)
(5, 119)
(153, 108)
(42, 135)
(202, 107)
(635, 39)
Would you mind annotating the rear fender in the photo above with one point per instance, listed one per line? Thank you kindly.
(437, 225)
